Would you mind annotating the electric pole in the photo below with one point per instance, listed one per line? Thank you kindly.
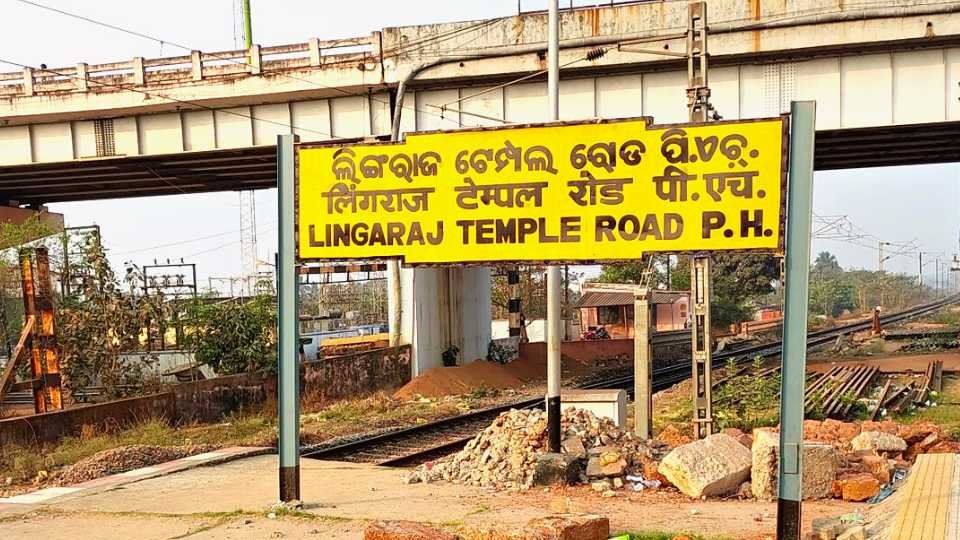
(554, 294)
(920, 270)
(248, 206)
(700, 110)
(881, 259)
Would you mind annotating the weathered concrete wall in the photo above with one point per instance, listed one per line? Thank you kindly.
(355, 374)
(601, 349)
(211, 399)
(49, 427)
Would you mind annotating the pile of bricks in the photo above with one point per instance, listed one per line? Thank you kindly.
(556, 527)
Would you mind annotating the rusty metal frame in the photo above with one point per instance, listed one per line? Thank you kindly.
(39, 334)
(23, 345)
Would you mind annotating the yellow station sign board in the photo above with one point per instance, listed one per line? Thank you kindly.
(582, 192)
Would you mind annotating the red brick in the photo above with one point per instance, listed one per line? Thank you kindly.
(810, 429)
(404, 530)
(651, 471)
(886, 426)
(568, 527)
(914, 433)
(835, 431)
(878, 467)
(858, 488)
(740, 436)
(673, 437)
(944, 447)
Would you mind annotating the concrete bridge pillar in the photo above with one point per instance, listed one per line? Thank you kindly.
(440, 308)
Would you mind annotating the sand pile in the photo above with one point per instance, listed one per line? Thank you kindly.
(445, 381)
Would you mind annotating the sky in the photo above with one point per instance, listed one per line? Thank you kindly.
(907, 204)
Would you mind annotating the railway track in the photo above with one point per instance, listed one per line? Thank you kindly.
(418, 444)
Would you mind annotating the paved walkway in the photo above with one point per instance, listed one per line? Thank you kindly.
(231, 500)
(929, 509)
(207, 458)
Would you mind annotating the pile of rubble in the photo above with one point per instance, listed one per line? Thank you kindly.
(843, 460)
(505, 454)
(850, 461)
(125, 458)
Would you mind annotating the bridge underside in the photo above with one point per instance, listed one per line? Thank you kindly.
(255, 167)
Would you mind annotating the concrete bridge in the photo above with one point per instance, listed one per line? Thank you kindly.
(885, 77)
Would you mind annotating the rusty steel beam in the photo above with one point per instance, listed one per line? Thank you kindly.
(44, 353)
(19, 352)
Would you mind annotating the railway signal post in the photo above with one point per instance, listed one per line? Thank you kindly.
(794, 356)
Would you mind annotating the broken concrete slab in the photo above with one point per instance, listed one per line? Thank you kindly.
(878, 441)
(713, 466)
(574, 447)
(556, 470)
(819, 467)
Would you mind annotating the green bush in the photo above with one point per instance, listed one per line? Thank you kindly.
(233, 337)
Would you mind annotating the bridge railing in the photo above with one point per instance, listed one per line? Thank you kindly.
(196, 66)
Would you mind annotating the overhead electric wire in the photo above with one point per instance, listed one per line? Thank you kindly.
(188, 241)
(228, 244)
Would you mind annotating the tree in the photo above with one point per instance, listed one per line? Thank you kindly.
(737, 279)
(826, 264)
(533, 293)
(235, 336)
(100, 327)
(13, 238)
(831, 296)
(632, 272)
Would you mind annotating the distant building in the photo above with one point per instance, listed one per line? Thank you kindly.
(613, 310)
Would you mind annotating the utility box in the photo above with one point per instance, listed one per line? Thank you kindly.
(609, 403)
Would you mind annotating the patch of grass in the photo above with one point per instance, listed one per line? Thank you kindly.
(949, 316)
(483, 392)
(23, 462)
(375, 412)
(286, 511)
(748, 400)
(479, 510)
(947, 412)
(664, 535)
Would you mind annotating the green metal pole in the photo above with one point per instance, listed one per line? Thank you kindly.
(288, 362)
(799, 221)
(247, 24)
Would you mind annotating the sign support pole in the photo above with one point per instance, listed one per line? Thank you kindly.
(554, 293)
(642, 365)
(799, 219)
(288, 362)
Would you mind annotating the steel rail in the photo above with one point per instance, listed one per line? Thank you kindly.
(415, 443)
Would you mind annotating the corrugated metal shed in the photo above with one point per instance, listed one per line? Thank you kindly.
(594, 298)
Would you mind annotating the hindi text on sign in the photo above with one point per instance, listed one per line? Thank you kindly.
(581, 192)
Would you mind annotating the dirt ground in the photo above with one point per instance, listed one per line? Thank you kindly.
(720, 519)
(231, 501)
(890, 364)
